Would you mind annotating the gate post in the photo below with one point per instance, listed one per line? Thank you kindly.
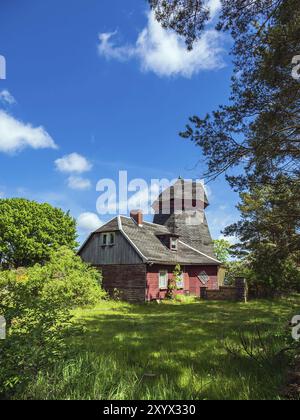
(203, 293)
(241, 289)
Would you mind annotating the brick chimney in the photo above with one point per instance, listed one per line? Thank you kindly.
(137, 216)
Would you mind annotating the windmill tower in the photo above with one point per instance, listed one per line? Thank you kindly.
(181, 208)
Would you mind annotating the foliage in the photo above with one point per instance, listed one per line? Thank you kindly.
(29, 231)
(239, 268)
(269, 234)
(254, 346)
(173, 283)
(36, 303)
(117, 295)
(169, 351)
(180, 16)
(222, 250)
(259, 130)
(185, 299)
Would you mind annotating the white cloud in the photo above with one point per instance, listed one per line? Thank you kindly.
(89, 222)
(7, 98)
(164, 52)
(214, 6)
(73, 163)
(108, 50)
(219, 218)
(16, 135)
(79, 183)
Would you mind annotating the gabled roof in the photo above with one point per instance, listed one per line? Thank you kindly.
(147, 242)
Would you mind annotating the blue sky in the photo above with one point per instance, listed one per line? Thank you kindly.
(100, 81)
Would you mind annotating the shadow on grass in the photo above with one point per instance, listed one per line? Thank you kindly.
(177, 351)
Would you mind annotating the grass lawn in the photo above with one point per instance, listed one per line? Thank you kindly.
(169, 351)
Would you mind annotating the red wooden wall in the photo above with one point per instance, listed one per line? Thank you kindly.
(191, 282)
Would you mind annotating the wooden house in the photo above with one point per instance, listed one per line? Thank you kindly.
(138, 258)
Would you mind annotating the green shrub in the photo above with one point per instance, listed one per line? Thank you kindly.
(173, 283)
(37, 303)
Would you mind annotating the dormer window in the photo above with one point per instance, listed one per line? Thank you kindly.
(108, 239)
(173, 244)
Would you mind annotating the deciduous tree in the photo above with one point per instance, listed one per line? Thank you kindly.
(30, 231)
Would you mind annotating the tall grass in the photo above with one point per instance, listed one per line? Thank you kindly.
(172, 351)
(94, 377)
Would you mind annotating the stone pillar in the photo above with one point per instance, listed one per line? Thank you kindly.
(241, 289)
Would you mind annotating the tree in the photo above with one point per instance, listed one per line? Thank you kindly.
(186, 17)
(222, 250)
(269, 234)
(260, 127)
(258, 132)
(30, 231)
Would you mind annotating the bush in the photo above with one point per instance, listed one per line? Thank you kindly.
(37, 303)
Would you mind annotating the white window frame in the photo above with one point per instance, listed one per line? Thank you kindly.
(174, 242)
(163, 279)
(180, 284)
(112, 238)
(104, 235)
(108, 236)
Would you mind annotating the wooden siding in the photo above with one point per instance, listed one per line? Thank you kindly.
(192, 284)
(129, 280)
(120, 253)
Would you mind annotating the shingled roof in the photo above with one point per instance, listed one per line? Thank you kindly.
(147, 242)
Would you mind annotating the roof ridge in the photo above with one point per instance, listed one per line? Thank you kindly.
(104, 224)
(145, 222)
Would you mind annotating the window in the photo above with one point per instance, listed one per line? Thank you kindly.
(203, 277)
(108, 239)
(173, 244)
(104, 239)
(180, 283)
(111, 239)
(163, 279)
